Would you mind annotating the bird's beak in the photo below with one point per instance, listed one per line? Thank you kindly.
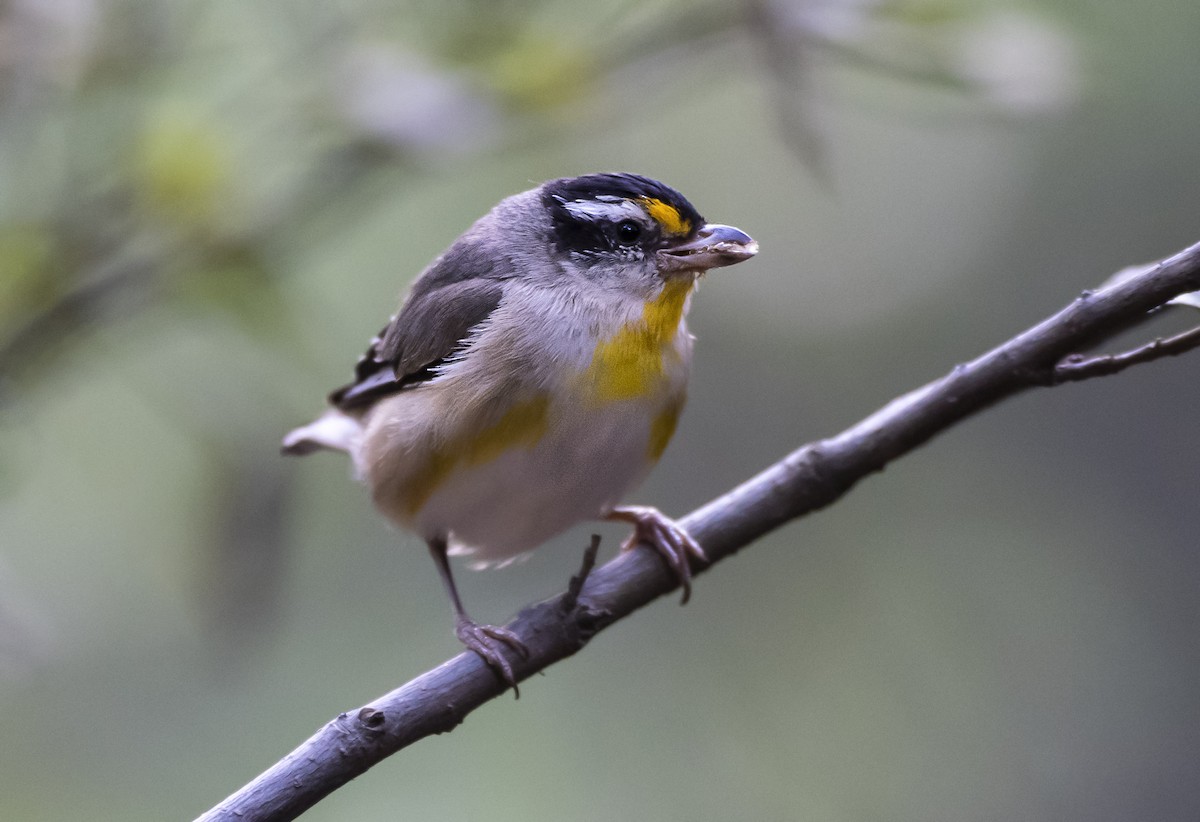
(712, 246)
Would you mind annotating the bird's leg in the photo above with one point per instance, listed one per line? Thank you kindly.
(485, 640)
(663, 534)
(570, 597)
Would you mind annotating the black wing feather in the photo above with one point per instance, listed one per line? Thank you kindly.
(458, 292)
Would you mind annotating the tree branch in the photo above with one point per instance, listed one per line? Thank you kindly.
(1078, 367)
(806, 480)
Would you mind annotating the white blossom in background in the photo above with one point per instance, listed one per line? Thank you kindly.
(48, 39)
(1015, 61)
(400, 100)
(1019, 62)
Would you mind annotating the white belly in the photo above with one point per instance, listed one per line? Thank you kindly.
(587, 461)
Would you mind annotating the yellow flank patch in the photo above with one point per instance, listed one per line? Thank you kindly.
(666, 215)
(662, 428)
(521, 426)
(629, 364)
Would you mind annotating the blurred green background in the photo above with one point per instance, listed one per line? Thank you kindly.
(206, 209)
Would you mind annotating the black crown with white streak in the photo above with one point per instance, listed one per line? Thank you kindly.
(590, 214)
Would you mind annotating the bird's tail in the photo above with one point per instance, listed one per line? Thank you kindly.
(333, 431)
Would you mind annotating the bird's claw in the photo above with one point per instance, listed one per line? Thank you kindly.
(488, 642)
(667, 537)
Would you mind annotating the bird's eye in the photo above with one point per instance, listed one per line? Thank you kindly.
(628, 232)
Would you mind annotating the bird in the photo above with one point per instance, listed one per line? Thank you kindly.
(532, 376)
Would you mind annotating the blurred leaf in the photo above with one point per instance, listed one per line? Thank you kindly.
(539, 71)
(183, 168)
(26, 252)
(237, 283)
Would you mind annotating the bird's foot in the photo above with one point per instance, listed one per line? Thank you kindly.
(666, 536)
(488, 641)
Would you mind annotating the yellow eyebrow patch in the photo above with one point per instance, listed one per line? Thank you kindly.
(666, 215)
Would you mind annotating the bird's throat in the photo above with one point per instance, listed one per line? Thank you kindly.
(631, 363)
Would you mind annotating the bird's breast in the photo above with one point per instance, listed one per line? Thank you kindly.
(645, 356)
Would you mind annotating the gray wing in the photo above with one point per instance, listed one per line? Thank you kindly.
(431, 326)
